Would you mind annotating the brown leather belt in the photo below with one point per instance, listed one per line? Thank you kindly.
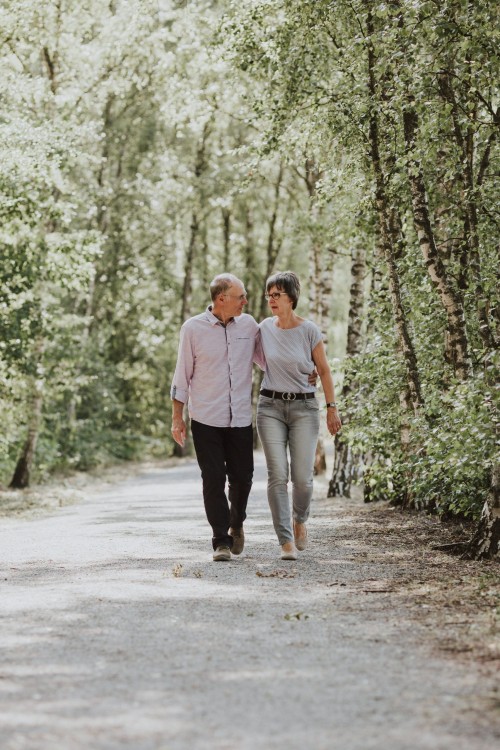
(285, 396)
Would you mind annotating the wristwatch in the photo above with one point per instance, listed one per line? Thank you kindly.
(331, 404)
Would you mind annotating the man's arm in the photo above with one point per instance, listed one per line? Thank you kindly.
(180, 386)
(178, 423)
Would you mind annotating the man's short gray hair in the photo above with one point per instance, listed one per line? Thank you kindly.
(221, 283)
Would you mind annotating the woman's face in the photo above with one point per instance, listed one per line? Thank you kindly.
(282, 304)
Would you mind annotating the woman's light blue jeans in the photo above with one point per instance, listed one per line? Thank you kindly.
(288, 426)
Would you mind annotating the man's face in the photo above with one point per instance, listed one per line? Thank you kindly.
(234, 301)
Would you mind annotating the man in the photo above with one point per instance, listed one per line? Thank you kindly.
(214, 373)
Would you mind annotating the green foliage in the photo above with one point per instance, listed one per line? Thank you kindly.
(144, 146)
(451, 471)
(447, 467)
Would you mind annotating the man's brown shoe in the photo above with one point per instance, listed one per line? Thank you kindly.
(238, 540)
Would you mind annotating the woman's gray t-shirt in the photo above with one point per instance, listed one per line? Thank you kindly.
(288, 355)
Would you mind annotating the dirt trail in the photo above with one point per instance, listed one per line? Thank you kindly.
(118, 631)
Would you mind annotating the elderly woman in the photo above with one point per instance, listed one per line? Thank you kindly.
(288, 412)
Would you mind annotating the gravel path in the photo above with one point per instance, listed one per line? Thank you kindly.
(118, 631)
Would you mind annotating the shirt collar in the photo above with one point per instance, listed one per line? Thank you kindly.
(214, 320)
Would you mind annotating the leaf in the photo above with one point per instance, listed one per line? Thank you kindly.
(177, 570)
(278, 573)
(296, 616)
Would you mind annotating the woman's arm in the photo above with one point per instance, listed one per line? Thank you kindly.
(332, 416)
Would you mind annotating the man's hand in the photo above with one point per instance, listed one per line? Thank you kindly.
(179, 431)
(312, 377)
(178, 423)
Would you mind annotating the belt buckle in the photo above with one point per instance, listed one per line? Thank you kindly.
(289, 396)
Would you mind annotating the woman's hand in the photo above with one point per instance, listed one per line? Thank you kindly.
(333, 420)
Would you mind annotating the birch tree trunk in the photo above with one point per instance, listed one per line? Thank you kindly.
(344, 462)
(273, 247)
(189, 263)
(226, 233)
(321, 258)
(22, 473)
(253, 283)
(325, 302)
(200, 167)
(405, 343)
(252, 278)
(187, 284)
(85, 336)
(320, 279)
(273, 244)
(313, 174)
(470, 251)
(423, 226)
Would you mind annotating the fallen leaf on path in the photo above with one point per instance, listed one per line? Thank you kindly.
(297, 616)
(279, 573)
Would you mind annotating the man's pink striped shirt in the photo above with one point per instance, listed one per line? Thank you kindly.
(214, 369)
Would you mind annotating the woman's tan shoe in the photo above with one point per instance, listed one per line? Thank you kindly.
(300, 534)
(288, 551)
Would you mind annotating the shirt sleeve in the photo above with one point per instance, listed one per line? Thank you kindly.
(258, 354)
(184, 368)
(315, 336)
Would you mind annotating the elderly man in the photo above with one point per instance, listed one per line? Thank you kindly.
(214, 373)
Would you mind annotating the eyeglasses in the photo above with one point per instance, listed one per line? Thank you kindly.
(240, 297)
(274, 295)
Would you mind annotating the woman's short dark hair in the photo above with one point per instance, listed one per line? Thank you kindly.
(288, 282)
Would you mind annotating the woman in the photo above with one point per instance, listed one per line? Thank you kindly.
(288, 412)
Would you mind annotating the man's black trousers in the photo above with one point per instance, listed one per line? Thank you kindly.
(224, 452)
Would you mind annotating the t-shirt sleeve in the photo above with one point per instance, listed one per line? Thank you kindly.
(315, 335)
